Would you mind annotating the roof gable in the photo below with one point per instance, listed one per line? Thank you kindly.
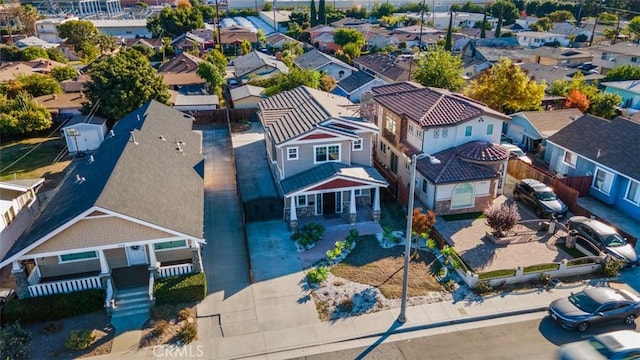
(610, 143)
(182, 63)
(157, 179)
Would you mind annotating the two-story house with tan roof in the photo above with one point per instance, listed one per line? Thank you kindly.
(319, 149)
(466, 167)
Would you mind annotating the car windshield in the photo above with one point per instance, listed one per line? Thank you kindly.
(546, 195)
(584, 302)
(614, 240)
(601, 348)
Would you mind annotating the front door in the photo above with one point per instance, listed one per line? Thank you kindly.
(329, 203)
(136, 255)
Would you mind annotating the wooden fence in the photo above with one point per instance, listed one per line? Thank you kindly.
(218, 116)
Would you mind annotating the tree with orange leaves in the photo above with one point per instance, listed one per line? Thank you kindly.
(422, 224)
(577, 99)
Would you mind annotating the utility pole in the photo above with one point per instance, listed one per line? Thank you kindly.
(218, 27)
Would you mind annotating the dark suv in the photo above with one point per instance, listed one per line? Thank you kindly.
(541, 198)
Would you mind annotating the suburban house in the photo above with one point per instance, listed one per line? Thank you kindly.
(258, 64)
(232, 37)
(605, 150)
(182, 71)
(351, 23)
(188, 42)
(18, 205)
(380, 38)
(84, 133)
(629, 91)
(12, 69)
(535, 39)
(319, 150)
(326, 42)
(388, 68)
(129, 212)
(354, 86)
(66, 104)
(465, 166)
(35, 42)
(192, 103)
(155, 44)
(530, 129)
(622, 53)
(317, 60)
(47, 29)
(569, 29)
(551, 73)
(318, 30)
(277, 41)
(246, 96)
(278, 19)
(124, 28)
(560, 56)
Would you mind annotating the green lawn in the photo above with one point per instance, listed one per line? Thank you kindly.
(39, 163)
(373, 265)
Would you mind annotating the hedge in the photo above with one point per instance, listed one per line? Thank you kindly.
(541, 267)
(53, 307)
(496, 274)
(180, 289)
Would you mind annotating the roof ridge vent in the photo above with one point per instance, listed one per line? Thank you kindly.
(91, 159)
(111, 133)
(80, 179)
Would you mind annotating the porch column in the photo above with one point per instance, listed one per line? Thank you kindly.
(196, 259)
(293, 217)
(376, 205)
(352, 208)
(104, 265)
(22, 285)
(153, 261)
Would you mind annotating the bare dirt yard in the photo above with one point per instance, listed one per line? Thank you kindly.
(166, 324)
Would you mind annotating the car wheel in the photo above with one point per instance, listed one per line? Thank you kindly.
(539, 213)
(583, 326)
(516, 196)
(630, 319)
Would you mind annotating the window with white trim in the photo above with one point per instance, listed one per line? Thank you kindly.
(419, 134)
(603, 180)
(390, 124)
(327, 153)
(490, 129)
(410, 128)
(301, 200)
(383, 147)
(633, 192)
(357, 145)
(570, 158)
(358, 192)
(292, 153)
(79, 256)
(168, 245)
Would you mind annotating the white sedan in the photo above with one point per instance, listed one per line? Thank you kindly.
(623, 344)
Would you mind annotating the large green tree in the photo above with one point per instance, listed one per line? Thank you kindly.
(175, 22)
(344, 36)
(86, 39)
(623, 72)
(600, 104)
(634, 26)
(21, 115)
(293, 79)
(38, 85)
(122, 83)
(439, 68)
(505, 10)
(213, 71)
(32, 53)
(313, 19)
(62, 73)
(448, 42)
(505, 87)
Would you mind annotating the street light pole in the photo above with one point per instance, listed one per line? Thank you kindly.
(402, 318)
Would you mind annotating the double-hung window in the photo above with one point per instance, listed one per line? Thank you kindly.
(326, 153)
(292, 153)
(603, 181)
(570, 158)
(357, 144)
(633, 192)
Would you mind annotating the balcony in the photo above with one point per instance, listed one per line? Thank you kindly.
(389, 136)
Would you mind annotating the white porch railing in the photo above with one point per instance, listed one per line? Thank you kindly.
(34, 277)
(151, 280)
(64, 286)
(109, 301)
(174, 270)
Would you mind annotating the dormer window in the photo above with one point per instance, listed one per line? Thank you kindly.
(357, 144)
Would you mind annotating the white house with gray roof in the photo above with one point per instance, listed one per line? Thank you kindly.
(127, 213)
(319, 149)
(256, 63)
(317, 60)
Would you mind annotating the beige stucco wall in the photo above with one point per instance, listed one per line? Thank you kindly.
(102, 231)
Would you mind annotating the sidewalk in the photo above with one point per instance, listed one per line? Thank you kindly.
(369, 329)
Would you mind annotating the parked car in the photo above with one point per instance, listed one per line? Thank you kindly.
(595, 306)
(604, 237)
(616, 345)
(540, 198)
(516, 152)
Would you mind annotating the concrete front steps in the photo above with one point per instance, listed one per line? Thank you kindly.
(130, 302)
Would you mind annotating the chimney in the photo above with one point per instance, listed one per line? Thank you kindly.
(279, 55)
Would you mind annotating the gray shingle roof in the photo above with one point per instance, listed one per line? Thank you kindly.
(355, 81)
(433, 107)
(152, 181)
(548, 123)
(394, 68)
(255, 60)
(315, 59)
(611, 143)
(327, 171)
(294, 112)
(453, 168)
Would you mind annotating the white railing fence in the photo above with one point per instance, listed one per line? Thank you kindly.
(64, 286)
(34, 277)
(109, 301)
(174, 270)
(151, 280)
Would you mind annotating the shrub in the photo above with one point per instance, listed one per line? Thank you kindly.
(317, 275)
(53, 307)
(483, 287)
(159, 328)
(612, 267)
(15, 342)
(184, 314)
(346, 305)
(309, 234)
(188, 332)
(545, 279)
(502, 218)
(180, 289)
(160, 312)
(80, 339)
(431, 244)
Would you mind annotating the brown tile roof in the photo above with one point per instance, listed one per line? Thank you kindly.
(233, 37)
(433, 107)
(482, 151)
(61, 101)
(294, 112)
(454, 168)
(182, 63)
(394, 68)
(172, 79)
(75, 85)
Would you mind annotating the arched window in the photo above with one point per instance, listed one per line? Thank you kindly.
(462, 196)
